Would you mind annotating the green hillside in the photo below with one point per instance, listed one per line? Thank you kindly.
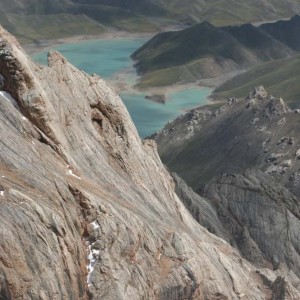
(43, 18)
(203, 51)
(228, 12)
(280, 78)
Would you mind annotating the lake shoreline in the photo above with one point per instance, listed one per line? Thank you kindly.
(47, 44)
(109, 56)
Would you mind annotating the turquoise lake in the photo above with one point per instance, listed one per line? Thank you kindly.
(110, 58)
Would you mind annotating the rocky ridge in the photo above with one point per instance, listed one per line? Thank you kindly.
(242, 158)
(87, 208)
(257, 132)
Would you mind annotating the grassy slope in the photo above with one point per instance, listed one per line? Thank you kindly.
(280, 78)
(131, 15)
(41, 19)
(196, 42)
(203, 51)
(228, 12)
(30, 28)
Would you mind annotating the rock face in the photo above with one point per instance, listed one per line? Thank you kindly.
(88, 210)
(250, 209)
(260, 218)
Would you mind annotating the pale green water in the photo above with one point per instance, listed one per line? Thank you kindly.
(108, 58)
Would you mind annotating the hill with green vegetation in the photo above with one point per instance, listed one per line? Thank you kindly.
(280, 78)
(204, 51)
(42, 19)
(229, 12)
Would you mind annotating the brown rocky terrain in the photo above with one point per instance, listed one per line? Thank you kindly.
(88, 209)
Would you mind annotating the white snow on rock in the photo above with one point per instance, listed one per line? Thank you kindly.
(2, 193)
(95, 225)
(91, 265)
(92, 255)
(8, 97)
(70, 172)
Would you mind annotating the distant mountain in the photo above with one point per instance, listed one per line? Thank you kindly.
(43, 19)
(204, 51)
(286, 32)
(228, 12)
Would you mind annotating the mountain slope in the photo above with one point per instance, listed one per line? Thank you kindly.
(278, 77)
(244, 159)
(131, 15)
(87, 208)
(285, 31)
(224, 12)
(212, 51)
(256, 132)
(40, 20)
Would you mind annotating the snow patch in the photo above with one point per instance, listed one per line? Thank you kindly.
(91, 265)
(96, 252)
(95, 225)
(93, 254)
(70, 172)
(2, 193)
(92, 257)
(8, 97)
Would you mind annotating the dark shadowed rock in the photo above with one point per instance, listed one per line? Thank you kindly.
(258, 132)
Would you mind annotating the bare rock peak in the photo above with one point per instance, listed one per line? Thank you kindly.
(258, 92)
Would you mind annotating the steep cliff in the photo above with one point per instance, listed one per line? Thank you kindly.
(87, 208)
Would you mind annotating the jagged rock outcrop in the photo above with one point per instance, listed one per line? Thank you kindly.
(87, 209)
(250, 208)
(258, 132)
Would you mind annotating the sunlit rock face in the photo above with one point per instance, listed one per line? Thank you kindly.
(87, 210)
